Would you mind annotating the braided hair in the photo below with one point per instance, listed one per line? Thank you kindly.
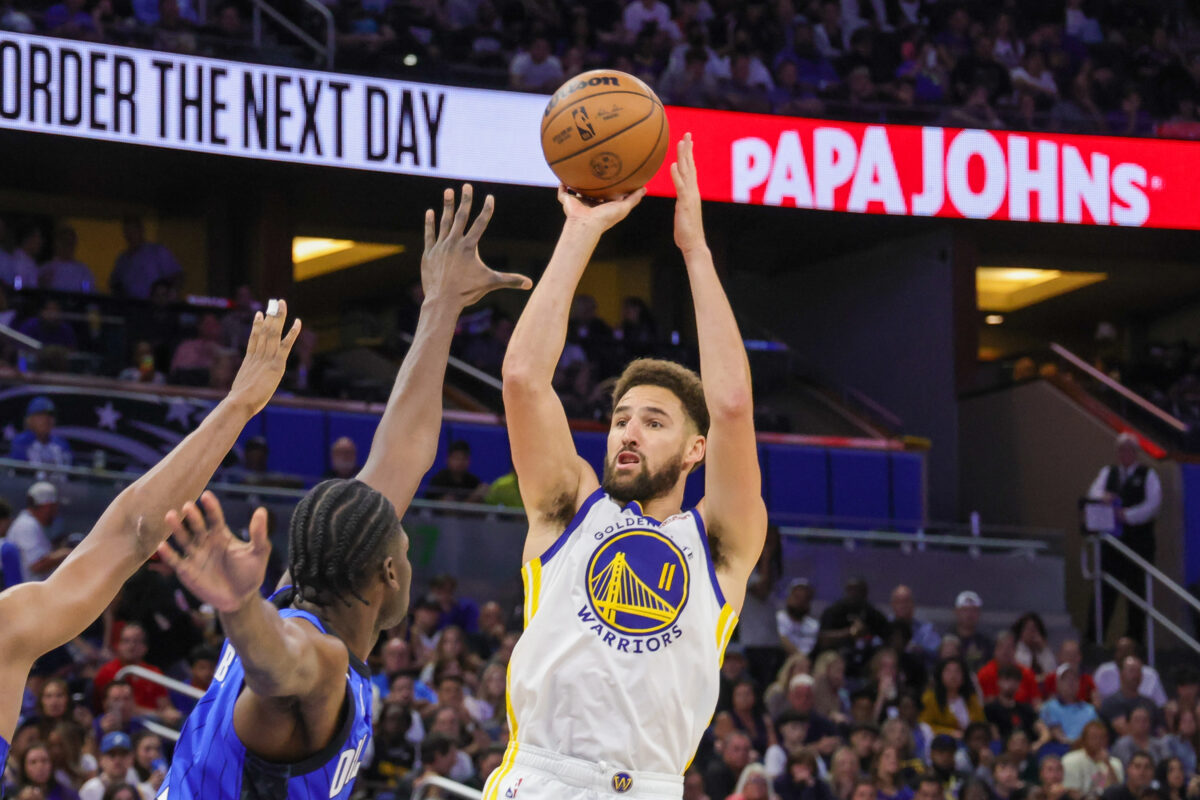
(339, 533)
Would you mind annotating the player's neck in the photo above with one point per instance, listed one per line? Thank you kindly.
(667, 505)
(354, 627)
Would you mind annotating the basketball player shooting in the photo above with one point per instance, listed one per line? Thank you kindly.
(41, 615)
(288, 714)
(629, 601)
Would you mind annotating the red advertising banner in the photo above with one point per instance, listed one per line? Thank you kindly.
(939, 172)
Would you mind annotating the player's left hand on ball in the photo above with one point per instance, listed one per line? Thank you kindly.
(689, 223)
(216, 566)
(451, 268)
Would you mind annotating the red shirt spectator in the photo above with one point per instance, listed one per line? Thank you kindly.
(1070, 653)
(131, 649)
(1006, 652)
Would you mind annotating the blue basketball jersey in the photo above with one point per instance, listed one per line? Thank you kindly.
(3, 761)
(211, 763)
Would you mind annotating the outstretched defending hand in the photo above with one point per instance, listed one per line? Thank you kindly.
(604, 215)
(266, 358)
(451, 268)
(689, 223)
(216, 566)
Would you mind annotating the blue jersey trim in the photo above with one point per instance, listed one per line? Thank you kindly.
(355, 663)
(712, 568)
(279, 591)
(575, 522)
(636, 508)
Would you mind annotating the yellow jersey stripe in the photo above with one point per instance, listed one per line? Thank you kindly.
(721, 620)
(726, 623)
(535, 585)
(492, 789)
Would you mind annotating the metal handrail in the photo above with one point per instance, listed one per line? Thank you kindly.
(462, 366)
(161, 680)
(1128, 394)
(447, 785)
(936, 540)
(20, 338)
(160, 729)
(1095, 572)
(327, 50)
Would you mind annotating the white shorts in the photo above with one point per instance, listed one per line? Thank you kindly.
(531, 773)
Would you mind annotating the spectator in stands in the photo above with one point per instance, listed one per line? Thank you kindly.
(738, 92)
(21, 270)
(65, 273)
(1006, 655)
(149, 698)
(1108, 674)
(691, 86)
(853, 627)
(1065, 715)
(976, 111)
(202, 665)
(800, 779)
(758, 633)
(975, 648)
(1171, 780)
(1131, 118)
(1184, 739)
(536, 68)
(801, 699)
(72, 766)
(142, 369)
(828, 33)
(37, 771)
(148, 762)
(641, 13)
(142, 264)
(721, 777)
(1069, 652)
(925, 640)
(942, 752)
(1115, 710)
(455, 482)
(439, 756)
(116, 762)
(951, 704)
(749, 717)
(1136, 492)
(1034, 78)
(975, 758)
(798, 629)
(236, 324)
(460, 612)
(486, 352)
(1139, 774)
(831, 698)
(1004, 711)
(980, 68)
(30, 532)
(1033, 651)
(1050, 778)
(1139, 738)
(194, 358)
(397, 738)
(49, 328)
(343, 459)
(174, 32)
(752, 784)
(1186, 694)
(1089, 769)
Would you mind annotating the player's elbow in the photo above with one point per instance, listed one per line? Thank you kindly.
(734, 404)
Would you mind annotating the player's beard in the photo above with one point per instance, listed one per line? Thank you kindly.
(644, 485)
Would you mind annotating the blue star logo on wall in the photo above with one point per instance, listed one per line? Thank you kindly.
(108, 416)
(179, 410)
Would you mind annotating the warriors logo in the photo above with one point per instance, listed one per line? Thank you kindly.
(637, 583)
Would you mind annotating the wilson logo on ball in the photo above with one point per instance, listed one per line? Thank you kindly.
(575, 85)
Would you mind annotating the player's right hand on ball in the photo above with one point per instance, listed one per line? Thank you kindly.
(451, 269)
(216, 566)
(266, 358)
(603, 215)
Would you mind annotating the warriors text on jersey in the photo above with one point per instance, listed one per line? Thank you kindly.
(625, 629)
(211, 763)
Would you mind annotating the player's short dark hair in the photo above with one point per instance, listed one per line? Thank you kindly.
(340, 531)
(459, 446)
(435, 745)
(675, 378)
(1010, 672)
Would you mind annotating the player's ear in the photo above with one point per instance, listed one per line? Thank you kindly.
(388, 573)
(695, 453)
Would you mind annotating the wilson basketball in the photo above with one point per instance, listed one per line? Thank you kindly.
(604, 133)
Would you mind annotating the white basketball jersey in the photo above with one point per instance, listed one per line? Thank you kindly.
(625, 630)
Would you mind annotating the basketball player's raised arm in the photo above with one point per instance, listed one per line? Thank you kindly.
(554, 480)
(732, 507)
(453, 277)
(40, 616)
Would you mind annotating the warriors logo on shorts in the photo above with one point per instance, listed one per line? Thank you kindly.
(637, 582)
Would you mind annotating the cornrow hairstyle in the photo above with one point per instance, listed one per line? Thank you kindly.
(338, 534)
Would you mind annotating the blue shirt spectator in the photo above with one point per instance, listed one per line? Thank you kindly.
(1063, 714)
(142, 265)
(38, 443)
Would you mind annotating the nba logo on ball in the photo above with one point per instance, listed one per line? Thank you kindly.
(604, 134)
(622, 782)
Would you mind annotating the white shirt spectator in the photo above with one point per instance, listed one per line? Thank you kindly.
(1108, 682)
(801, 633)
(527, 74)
(826, 46)
(722, 70)
(1044, 664)
(30, 538)
(1134, 515)
(94, 788)
(66, 276)
(637, 16)
(1009, 52)
(1088, 777)
(138, 269)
